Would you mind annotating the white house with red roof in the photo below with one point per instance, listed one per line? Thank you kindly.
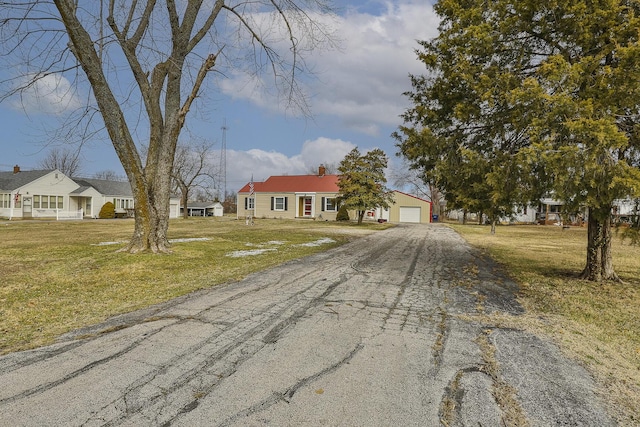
(291, 196)
(316, 197)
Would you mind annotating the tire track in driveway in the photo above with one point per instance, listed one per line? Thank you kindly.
(230, 352)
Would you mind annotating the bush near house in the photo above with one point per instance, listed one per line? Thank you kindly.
(343, 214)
(108, 211)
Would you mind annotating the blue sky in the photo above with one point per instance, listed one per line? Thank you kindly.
(355, 98)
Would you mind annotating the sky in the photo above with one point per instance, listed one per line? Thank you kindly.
(355, 98)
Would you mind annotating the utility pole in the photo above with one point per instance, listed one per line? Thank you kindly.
(223, 161)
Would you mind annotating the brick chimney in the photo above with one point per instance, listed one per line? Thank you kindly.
(16, 169)
(321, 170)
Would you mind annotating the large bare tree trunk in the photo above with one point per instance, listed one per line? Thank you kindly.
(160, 41)
(599, 265)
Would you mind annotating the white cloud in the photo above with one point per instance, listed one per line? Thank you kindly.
(363, 82)
(324, 150)
(50, 94)
(260, 164)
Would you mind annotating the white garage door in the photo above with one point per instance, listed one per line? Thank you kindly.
(410, 214)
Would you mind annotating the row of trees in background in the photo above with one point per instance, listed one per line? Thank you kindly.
(523, 98)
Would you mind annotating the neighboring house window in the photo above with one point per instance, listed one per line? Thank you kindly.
(123, 203)
(249, 203)
(329, 204)
(47, 202)
(279, 203)
(41, 201)
(5, 200)
(18, 201)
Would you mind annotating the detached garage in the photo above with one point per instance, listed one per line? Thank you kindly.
(409, 209)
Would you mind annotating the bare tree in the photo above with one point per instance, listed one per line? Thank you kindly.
(156, 56)
(229, 204)
(192, 169)
(404, 176)
(63, 159)
(109, 175)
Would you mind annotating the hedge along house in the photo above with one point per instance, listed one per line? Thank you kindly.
(291, 196)
(51, 194)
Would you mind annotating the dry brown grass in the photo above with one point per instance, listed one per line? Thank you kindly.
(598, 324)
(55, 278)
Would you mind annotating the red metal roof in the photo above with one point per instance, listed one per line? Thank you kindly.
(296, 184)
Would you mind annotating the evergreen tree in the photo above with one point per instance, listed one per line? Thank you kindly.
(543, 98)
(362, 181)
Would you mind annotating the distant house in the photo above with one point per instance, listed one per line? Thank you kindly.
(291, 196)
(52, 194)
(203, 209)
(550, 211)
(316, 196)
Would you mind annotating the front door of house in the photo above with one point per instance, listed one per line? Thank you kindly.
(308, 206)
(26, 207)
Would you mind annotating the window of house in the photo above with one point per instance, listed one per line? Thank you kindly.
(18, 201)
(4, 200)
(278, 203)
(249, 203)
(123, 203)
(41, 201)
(330, 204)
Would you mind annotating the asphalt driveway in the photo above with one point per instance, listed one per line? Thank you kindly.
(378, 332)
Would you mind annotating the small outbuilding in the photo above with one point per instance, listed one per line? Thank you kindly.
(204, 209)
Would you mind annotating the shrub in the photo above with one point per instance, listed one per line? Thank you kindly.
(342, 214)
(108, 211)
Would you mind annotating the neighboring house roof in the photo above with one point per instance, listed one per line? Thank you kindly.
(296, 184)
(10, 181)
(104, 187)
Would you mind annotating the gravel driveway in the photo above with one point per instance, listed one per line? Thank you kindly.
(378, 332)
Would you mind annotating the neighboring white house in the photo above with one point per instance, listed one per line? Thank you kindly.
(549, 212)
(52, 194)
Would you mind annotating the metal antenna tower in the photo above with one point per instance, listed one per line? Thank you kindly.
(223, 160)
